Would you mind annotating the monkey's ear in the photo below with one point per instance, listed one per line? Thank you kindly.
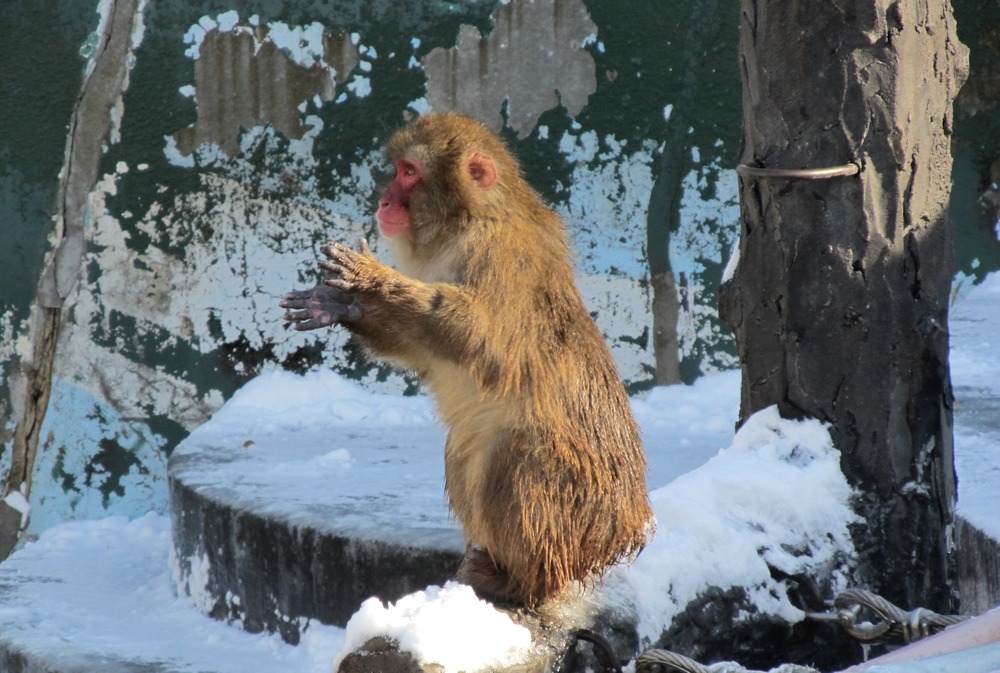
(482, 170)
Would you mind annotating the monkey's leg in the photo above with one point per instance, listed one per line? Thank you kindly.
(527, 522)
(490, 582)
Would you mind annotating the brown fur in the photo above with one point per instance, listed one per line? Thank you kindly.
(543, 463)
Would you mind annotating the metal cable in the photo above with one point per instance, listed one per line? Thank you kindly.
(650, 659)
(910, 626)
(798, 173)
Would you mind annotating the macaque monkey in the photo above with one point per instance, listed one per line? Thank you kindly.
(543, 464)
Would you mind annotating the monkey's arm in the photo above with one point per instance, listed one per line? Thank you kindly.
(403, 316)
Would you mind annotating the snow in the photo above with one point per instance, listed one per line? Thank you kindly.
(456, 629)
(16, 501)
(723, 523)
(106, 589)
(102, 589)
(975, 371)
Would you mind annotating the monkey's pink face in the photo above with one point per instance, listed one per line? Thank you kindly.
(394, 206)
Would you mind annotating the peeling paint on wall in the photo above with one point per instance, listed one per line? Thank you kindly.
(533, 60)
(605, 217)
(249, 74)
(99, 463)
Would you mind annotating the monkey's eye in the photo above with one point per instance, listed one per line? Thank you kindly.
(407, 169)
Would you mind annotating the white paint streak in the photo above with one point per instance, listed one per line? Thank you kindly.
(732, 264)
(709, 229)
(191, 579)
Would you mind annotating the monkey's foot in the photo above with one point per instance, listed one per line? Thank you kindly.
(489, 581)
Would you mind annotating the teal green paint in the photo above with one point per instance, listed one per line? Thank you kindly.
(641, 340)
(89, 458)
(305, 358)
(357, 365)
(544, 166)
(168, 431)
(41, 78)
(976, 140)
(65, 480)
(388, 17)
(35, 110)
(683, 56)
(156, 348)
(108, 467)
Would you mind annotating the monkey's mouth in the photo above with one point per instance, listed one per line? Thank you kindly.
(394, 218)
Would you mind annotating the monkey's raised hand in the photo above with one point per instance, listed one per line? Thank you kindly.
(321, 306)
(350, 271)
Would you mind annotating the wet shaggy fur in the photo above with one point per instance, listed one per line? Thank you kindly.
(544, 467)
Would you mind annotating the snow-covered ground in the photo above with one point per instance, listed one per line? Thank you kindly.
(975, 374)
(104, 589)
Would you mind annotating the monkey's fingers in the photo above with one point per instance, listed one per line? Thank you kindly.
(309, 319)
(363, 247)
(316, 318)
(339, 284)
(311, 324)
(335, 250)
(332, 268)
(296, 299)
(325, 316)
(342, 261)
(297, 316)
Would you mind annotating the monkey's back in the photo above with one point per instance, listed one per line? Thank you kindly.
(544, 464)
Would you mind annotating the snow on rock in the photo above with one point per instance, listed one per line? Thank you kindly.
(448, 626)
(321, 452)
(775, 497)
(281, 399)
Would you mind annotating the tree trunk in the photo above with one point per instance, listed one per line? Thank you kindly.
(839, 302)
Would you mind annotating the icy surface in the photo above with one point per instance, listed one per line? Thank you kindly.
(103, 590)
(320, 451)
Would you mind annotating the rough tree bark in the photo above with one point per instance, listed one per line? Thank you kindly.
(839, 302)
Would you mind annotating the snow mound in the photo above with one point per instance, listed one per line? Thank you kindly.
(775, 497)
(448, 626)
